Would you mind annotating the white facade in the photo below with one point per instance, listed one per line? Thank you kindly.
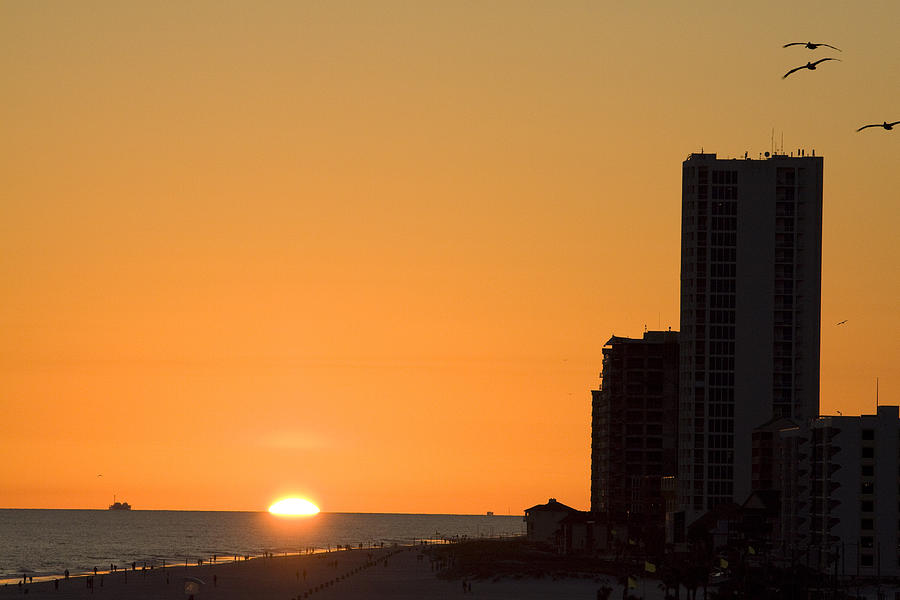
(750, 311)
(854, 473)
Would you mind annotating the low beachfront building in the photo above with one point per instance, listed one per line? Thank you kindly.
(584, 532)
(780, 475)
(836, 483)
(543, 521)
(854, 467)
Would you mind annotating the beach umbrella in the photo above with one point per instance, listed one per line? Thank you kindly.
(192, 586)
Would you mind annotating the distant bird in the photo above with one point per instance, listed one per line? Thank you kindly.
(812, 46)
(810, 65)
(844, 321)
(885, 125)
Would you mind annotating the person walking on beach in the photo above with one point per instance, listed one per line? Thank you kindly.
(66, 574)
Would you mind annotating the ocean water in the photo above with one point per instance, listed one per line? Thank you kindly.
(44, 543)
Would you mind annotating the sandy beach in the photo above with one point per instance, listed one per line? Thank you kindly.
(388, 573)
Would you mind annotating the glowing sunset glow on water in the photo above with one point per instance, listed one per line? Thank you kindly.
(294, 507)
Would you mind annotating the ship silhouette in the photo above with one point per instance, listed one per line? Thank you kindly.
(119, 505)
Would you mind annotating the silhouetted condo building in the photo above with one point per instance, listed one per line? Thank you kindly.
(634, 419)
(751, 242)
(853, 466)
(836, 482)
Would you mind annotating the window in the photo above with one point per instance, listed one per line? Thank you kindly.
(866, 560)
(867, 506)
(867, 487)
(866, 524)
(868, 452)
(868, 434)
(868, 471)
(867, 541)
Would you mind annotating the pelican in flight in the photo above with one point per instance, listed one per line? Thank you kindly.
(885, 125)
(810, 65)
(812, 46)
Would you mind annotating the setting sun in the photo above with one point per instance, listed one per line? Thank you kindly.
(294, 507)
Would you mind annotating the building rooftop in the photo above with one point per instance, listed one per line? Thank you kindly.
(649, 336)
(709, 156)
(552, 506)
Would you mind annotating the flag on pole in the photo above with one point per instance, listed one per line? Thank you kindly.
(632, 542)
(649, 567)
(723, 563)
(632, 583)
(751, 550)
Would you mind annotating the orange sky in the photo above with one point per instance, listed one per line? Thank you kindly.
(369, 252)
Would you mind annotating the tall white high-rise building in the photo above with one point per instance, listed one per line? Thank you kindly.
(751, 247)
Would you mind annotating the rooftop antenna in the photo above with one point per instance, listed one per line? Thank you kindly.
(772, 142)
(876, 395)
(782, 141)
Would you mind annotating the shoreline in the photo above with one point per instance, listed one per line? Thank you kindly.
(146, 567)
(42, 544)
(395, 573)
(173, 573)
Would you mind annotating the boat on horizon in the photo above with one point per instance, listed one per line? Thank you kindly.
(119, 505)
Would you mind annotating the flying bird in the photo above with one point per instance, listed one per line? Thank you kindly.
(885, 125)
(810, 65)
(812, 46)
(844, 321)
